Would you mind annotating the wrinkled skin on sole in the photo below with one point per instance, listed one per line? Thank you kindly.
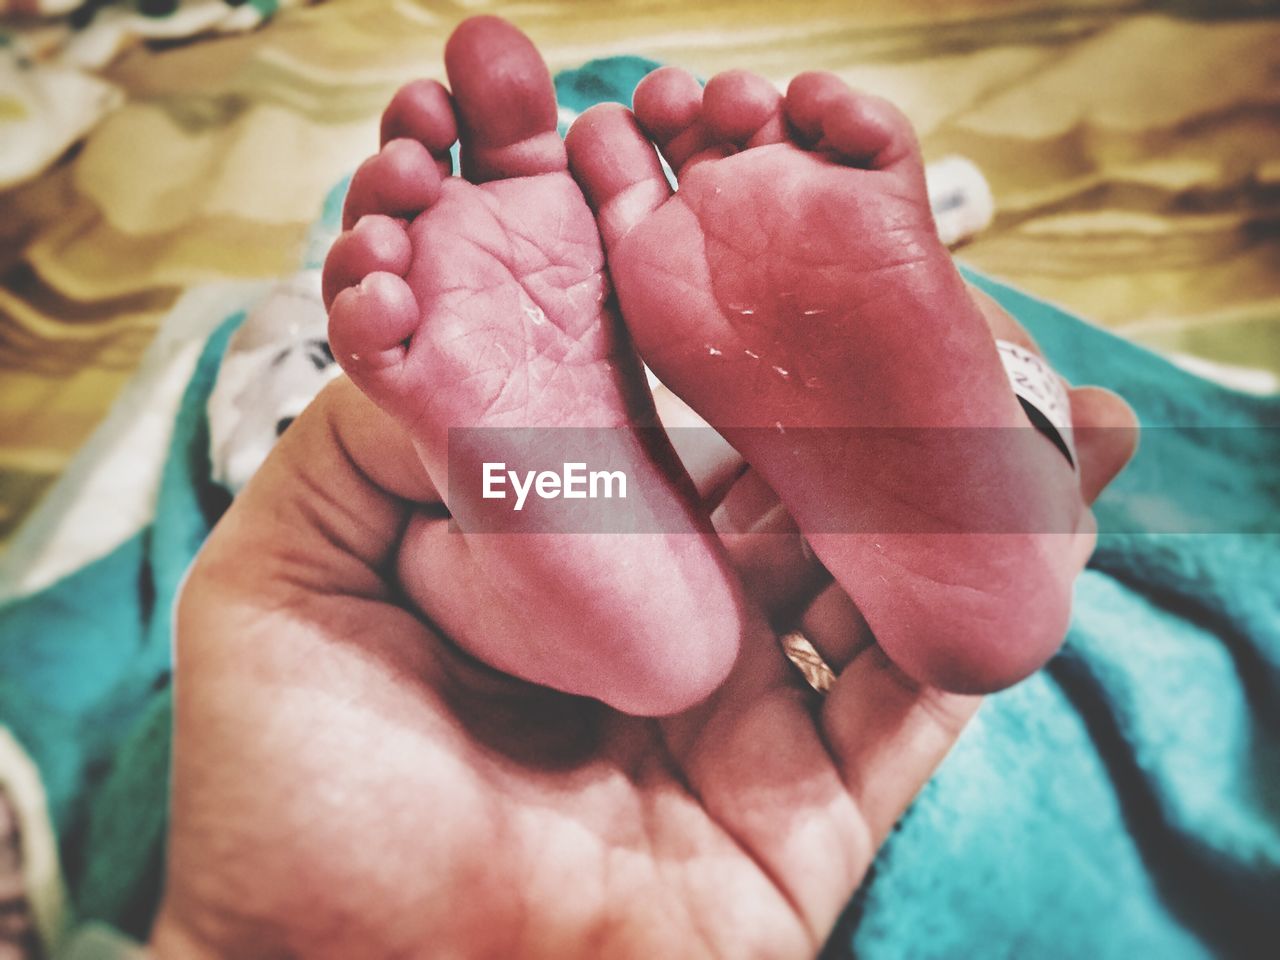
(482, 303)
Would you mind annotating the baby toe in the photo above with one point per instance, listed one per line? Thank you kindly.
(870, 132)
(400, 180)
(668, 106)
(423, 111)
(864, 130)
(369, 325)
(376, 244)
(743, 108)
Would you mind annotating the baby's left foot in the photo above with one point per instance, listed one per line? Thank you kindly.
(796, 280)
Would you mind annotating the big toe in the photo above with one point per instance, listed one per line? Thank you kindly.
(506, 102)
(617, 169)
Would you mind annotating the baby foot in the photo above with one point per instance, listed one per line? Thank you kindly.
(482, 302)
(796, 280)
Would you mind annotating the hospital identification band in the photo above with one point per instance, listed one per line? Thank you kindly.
(1042, 394)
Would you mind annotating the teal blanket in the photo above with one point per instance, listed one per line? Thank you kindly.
(1123, 802)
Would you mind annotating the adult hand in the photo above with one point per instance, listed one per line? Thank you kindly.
(348, 783)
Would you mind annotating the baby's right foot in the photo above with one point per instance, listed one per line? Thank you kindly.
(491, 309)
(795, 294)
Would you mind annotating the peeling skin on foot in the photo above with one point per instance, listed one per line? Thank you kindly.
(822, 270)
(795, 281)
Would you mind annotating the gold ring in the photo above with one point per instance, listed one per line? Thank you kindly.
(804, 656)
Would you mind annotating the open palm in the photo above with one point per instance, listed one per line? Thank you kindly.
(347, 783)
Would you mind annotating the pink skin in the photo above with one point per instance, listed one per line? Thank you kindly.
(482, 302)
(796, 280)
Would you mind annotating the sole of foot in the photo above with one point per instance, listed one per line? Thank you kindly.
(481, 301)
(795, 294)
